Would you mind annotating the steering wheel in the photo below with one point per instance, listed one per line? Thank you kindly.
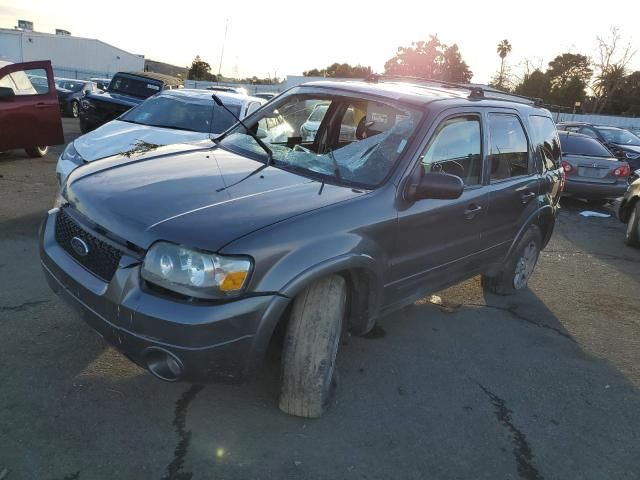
(300, 148)
(450, 166)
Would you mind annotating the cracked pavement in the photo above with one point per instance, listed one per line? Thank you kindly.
(460, 385)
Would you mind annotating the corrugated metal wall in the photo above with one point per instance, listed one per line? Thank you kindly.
(71, 56)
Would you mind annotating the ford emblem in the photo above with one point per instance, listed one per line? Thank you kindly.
(80, 246)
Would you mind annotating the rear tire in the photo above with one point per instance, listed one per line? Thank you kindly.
(632, 234)
(310, 348)
(518, 268)
(36, 152)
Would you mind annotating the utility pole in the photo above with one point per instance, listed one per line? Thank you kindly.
(226, 25)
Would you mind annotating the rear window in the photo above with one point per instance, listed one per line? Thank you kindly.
(137, 87)
(578, 145)
(547, 138)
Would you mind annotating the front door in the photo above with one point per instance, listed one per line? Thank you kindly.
(438, 241)
(30, 116)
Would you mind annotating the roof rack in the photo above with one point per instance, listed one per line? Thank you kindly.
(476, 92)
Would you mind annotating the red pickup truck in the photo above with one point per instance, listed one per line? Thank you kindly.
(29, 110)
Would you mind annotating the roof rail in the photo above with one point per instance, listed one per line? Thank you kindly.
(476, 92)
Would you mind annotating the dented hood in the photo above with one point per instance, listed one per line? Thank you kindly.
(118, 137)
(190, 198)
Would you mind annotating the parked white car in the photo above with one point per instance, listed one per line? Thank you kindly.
(309, 129)
(170, 117)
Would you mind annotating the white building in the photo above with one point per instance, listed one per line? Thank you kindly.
(71, 57)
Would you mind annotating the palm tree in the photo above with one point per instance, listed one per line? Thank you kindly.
(504, 47)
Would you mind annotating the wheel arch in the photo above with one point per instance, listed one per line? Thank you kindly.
(364, 291)
(544, 219)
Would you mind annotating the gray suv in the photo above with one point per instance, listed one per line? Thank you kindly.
(191, 262)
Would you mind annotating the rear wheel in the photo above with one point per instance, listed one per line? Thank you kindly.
(632, 234)
(518, 268)
(36, 152)
(75, 109)
(310, 348)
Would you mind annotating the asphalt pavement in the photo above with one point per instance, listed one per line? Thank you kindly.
(461, 385)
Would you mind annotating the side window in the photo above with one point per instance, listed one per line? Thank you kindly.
(26, 82)
(509, 151)
(456, 149)
(6, 82)
(588, 131)
(548, 141)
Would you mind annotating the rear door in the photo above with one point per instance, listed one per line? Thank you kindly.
(513, 181)
(31, 116)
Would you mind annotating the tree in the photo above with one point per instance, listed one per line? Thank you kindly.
(430, 59)
(503, 49)
(200, 70)
(535, 84)
(611, 68)
(340, 70)
(569, 75)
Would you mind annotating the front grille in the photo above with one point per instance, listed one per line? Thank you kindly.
(101, 259)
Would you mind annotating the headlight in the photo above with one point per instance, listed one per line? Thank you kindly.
(632, 155)
(70, 153)
(195, 273)
(86, 104)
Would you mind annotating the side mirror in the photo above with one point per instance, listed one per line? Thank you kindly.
(7, 93)
(262, 133)
(443, 186)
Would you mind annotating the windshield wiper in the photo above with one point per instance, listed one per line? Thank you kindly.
(171, 127)
(249, 132)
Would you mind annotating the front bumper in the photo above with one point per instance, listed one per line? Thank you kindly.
(213, 342)
(592, 190)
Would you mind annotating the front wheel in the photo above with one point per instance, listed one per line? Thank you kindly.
(36, 152)
(310, 348)
(75, 109)
(518, 268)
(632, 234)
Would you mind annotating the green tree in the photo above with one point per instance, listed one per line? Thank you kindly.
(569, 75)
(340, 70)
(611, 69)
(200, 70)
(431, 59)
(535, 84)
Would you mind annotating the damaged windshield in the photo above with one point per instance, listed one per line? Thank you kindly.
(353, 140)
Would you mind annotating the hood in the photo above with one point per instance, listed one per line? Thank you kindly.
(119, 98)
(117, 137)
(181, 197)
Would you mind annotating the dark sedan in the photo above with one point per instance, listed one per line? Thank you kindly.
(592, 172)
(70, 92)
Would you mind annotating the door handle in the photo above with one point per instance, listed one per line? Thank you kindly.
(526, 197)
(472, 210)
(42, 105)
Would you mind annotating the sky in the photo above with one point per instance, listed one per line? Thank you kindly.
(287, 37)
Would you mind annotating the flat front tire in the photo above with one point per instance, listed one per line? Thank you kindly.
(310, 348)
(36, 152)
(632, 233)
(518, 268)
